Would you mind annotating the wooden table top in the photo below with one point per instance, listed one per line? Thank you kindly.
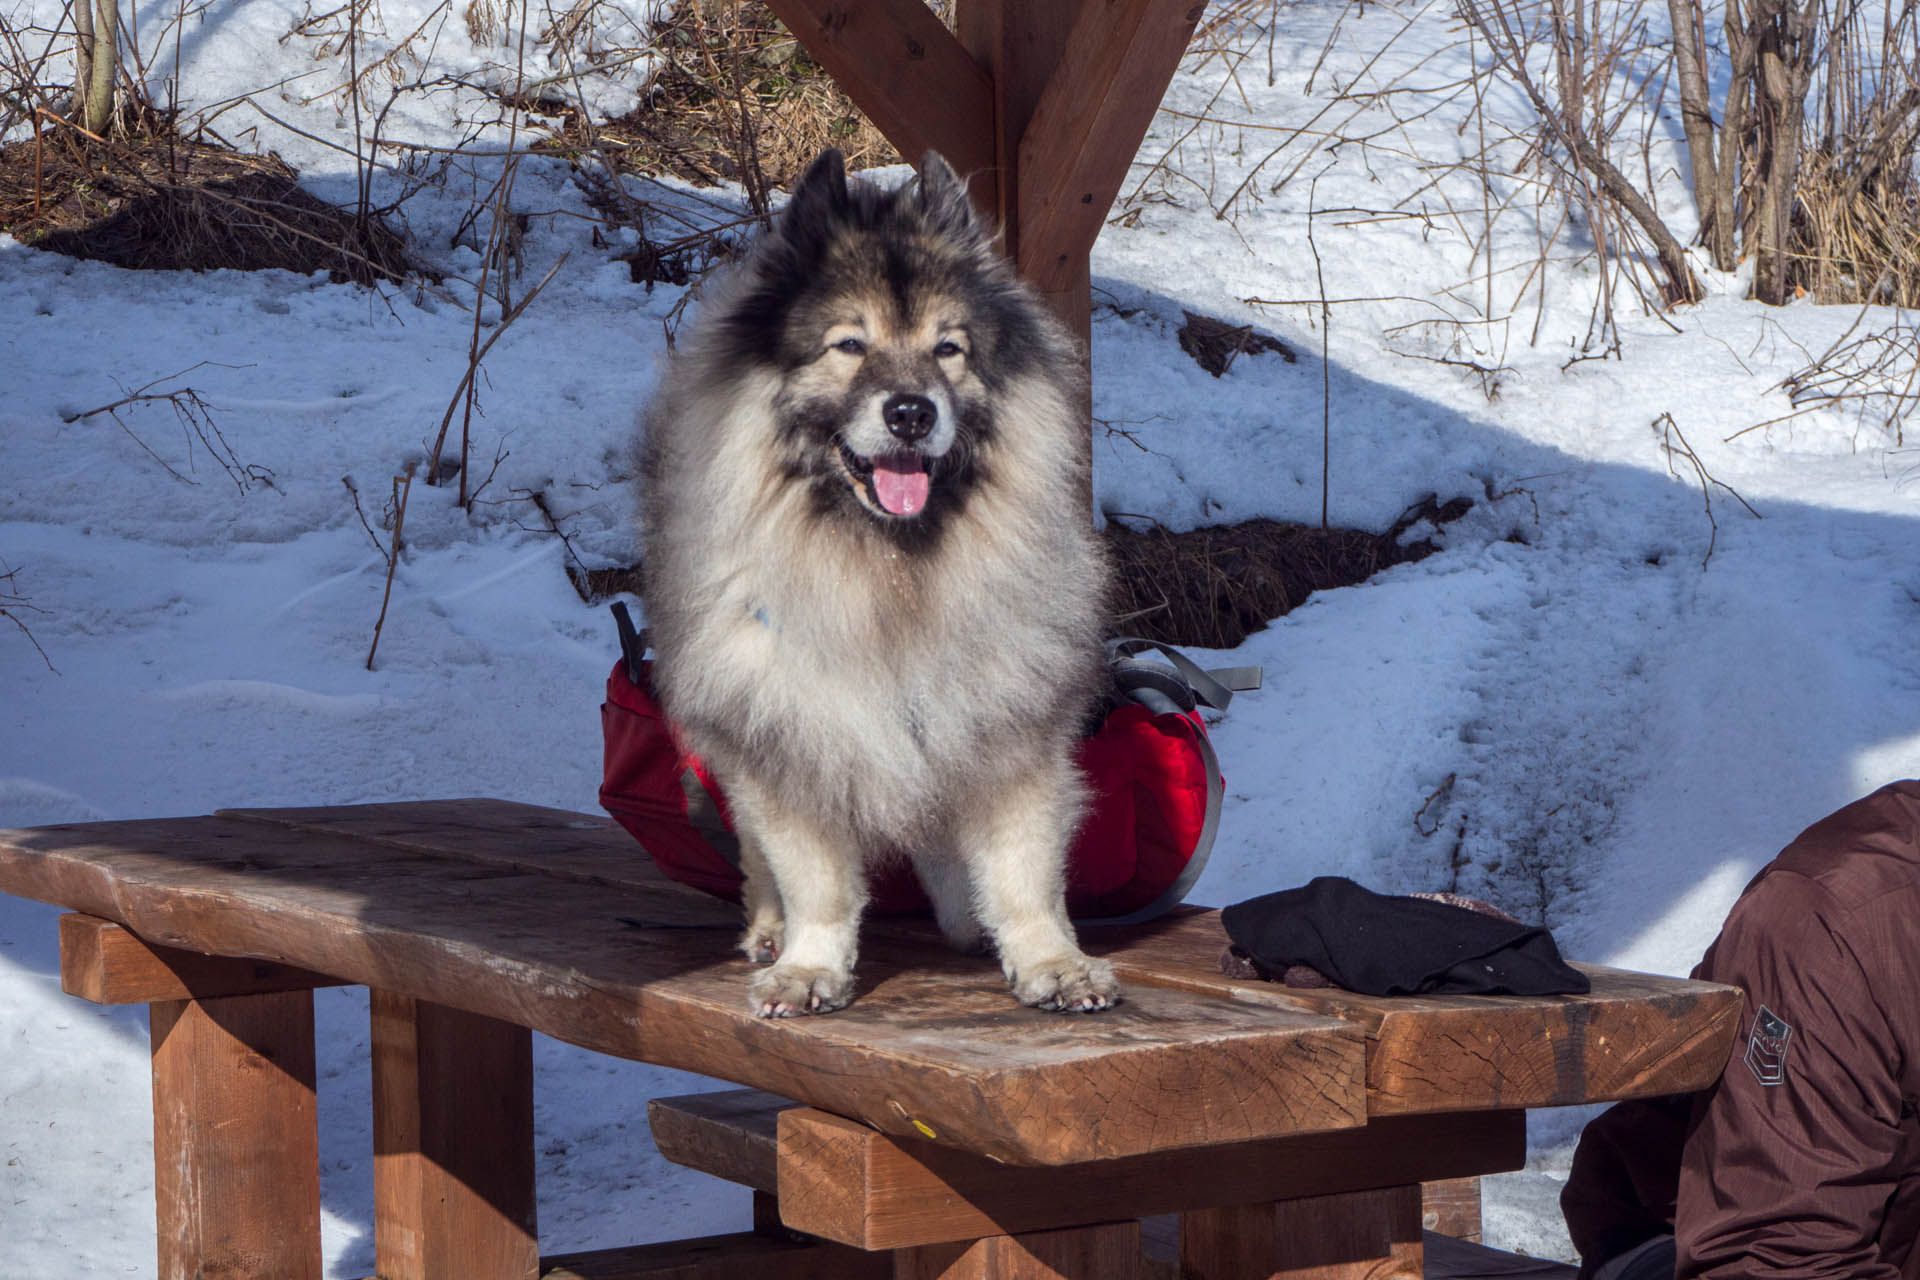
(515, 912)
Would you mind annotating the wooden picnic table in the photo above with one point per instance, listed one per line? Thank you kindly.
(937, 1119)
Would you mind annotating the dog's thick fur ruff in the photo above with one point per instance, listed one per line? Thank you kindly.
(873, 583)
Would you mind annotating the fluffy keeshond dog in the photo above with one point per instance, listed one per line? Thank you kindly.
(873, 583)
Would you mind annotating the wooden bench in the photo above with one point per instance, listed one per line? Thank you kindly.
(1289, 1130)
(846, 1183)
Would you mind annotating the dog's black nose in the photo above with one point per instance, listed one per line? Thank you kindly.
(909, 418)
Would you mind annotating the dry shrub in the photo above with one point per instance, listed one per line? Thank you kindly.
(739, 100)
(153, 200)
(1856, 235)
(1213, 587)
(1874, 379)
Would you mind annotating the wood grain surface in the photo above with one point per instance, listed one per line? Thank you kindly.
(558, 922)
(236, 1146)
(521, 920)
(1634, 1035)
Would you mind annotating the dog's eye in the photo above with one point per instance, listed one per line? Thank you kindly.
(851, 346)
(948, 347)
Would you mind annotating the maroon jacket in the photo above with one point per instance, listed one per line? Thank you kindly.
(1804, 1160)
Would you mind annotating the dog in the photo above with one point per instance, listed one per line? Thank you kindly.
(873, 583)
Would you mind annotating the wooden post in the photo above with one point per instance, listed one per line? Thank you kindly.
(452, 1144)
(1359, 1235)
(1451, 1206)
(1019, 46)
(235, 1142)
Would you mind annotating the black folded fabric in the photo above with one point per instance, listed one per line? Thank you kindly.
(1392, 946)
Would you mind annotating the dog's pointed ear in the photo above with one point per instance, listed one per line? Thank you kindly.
(819, 201)
(943, 200)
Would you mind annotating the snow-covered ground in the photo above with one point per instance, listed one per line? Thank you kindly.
(1574, 710)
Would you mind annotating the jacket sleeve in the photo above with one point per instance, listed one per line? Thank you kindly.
(1621, 1187)
(1792, 1158)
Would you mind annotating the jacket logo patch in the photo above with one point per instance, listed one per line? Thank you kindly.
(1767, 1047)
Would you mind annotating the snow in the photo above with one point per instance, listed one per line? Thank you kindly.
(1611, 697)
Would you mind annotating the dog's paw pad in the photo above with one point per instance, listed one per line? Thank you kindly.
(1068, 984)
(787, 991)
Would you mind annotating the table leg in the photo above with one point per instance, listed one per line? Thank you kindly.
(1359, 1235)
(235, 1140)
(1107, 1252)
(452, 1144)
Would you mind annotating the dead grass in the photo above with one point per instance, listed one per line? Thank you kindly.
(738, 100)
(1856, 232)
(150, 199)
(1212, 588)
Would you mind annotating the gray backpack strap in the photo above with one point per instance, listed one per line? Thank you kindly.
(1209, 688)
(633, 643)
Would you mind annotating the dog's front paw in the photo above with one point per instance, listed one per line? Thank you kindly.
(1070, 983)
(785, 991)
(762, 941)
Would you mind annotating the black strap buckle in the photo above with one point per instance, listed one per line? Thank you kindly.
(634, 643)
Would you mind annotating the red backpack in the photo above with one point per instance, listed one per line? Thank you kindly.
(1154, 779)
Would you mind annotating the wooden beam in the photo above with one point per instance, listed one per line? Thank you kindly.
(1107, 1252)
(907, 72)
(740, 1256)
(730, 1133)
(843, 1181)
(104, 963)
(452, 1144)
(1363, 1235)
(1076, 148)
(236, 1147)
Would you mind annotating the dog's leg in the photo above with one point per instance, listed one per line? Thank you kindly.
(822, 886)
(1017, 845)
(943, 874)
(760, 895)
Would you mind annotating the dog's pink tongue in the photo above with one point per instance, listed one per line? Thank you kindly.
(901, 482)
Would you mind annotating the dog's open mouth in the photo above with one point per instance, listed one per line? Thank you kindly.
(895, 484)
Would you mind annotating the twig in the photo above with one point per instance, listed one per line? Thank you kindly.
(538, 497)
(57, 118)
(1326, 366)
(10, 600)
(1438, 796)
(401, 488)
(194, 413)
(371, 535)
(475, 357)
(1670, 433)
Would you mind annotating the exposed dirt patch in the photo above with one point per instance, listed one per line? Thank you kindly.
(1208, 588)
(1215, 344)
(1213, 587)
(156, 201)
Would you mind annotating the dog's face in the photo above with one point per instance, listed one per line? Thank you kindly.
(885, 391)
(891, 322)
